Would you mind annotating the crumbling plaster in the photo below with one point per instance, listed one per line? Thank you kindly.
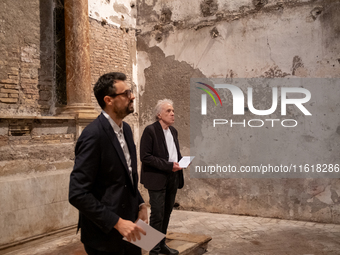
(121, 13)
(250, 43)
(242, 39)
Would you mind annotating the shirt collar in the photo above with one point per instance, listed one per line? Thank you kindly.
(115, 127)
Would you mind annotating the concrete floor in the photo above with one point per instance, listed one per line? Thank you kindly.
(231, 235)
(243, 235)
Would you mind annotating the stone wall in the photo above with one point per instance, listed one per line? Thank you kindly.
(242, 39)
(36, 145)
(36, 155)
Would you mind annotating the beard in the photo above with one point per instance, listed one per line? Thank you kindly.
(129, 108)
(126, 111)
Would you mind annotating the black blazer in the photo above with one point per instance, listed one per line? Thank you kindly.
(100, 186)
(154, 156)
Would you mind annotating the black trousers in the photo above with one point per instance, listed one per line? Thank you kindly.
(129, 249)
(162, 203)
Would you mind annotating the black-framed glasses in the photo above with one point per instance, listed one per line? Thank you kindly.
(128, 93)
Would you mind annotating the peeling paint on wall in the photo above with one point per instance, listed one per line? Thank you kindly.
(164, 77)
(209, 7)
(275, 49)
(115, 12)
(245, 39)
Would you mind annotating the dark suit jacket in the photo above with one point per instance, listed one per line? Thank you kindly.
(100, 186)
(154, 156)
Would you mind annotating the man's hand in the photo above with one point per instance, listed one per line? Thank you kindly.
(176, 167)
(143, 213)
(129, 229)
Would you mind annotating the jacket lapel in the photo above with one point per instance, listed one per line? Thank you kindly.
(160, 134)
(114, 140)
(132, 150)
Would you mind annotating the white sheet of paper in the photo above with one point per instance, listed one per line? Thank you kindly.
(185, 161)
(148, 241)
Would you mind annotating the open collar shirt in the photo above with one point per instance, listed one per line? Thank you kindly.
(120, 136)
(170, 143)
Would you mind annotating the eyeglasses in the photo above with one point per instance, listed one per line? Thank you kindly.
(126, 93)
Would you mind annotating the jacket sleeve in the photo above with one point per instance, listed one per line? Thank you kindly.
(147, 154)
(87, 162)
(140, 198)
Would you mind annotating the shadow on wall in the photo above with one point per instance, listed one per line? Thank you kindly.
(52, 73)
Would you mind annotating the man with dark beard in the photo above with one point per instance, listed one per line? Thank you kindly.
(104, 180)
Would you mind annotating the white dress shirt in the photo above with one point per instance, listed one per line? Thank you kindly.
(170, 143)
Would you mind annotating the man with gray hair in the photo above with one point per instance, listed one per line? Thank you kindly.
(161, 173)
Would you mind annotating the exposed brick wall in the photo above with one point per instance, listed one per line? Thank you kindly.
(19, 87)
(25, 75)
(112, 50)
(26, 72)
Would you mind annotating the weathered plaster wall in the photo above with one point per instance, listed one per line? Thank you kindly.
(121, 13)
(227, 39)
(248, 41)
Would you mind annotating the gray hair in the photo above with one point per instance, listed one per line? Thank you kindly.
(160, 103)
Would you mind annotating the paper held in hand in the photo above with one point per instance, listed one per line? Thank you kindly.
(148, 241)
(185, 161)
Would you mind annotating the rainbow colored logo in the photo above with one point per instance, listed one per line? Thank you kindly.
(204, 97)
(209, 93)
